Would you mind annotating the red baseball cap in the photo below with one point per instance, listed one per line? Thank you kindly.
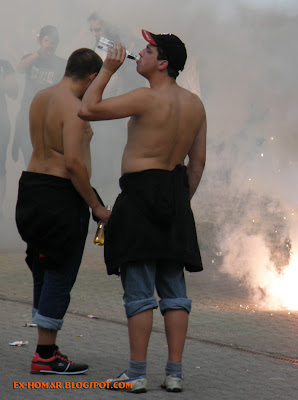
(173, 48)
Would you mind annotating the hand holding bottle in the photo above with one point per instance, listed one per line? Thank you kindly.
(115, 58)
(101, 213)
(106, 44)
(99, 237)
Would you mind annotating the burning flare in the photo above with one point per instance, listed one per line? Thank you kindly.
(281, 288)
(248, 260)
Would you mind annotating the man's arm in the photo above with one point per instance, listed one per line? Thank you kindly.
(197, 158)
(27, 61)
(74, 130)
(94, 108)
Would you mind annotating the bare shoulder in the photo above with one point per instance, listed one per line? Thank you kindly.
(194, 98)
(142, 93)
(39, 104)
(200, 105)
(142, 90)
(68, 108)
(194, 103)
(41, 96)
(67, 102)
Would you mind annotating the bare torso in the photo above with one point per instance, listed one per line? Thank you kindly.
(167, 123)
(162, 136)
(52, 110)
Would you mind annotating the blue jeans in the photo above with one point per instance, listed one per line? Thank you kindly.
(138, 281)
(52, 285)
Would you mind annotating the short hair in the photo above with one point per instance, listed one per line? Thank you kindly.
(94, 17)
(173, 73)
(108, 29)
(82, 63)
(51, 31)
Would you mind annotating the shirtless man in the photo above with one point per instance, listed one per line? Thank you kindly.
(52, 212)
(151, 234)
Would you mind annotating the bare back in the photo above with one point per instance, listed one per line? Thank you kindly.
(166, 124)
(162, 136)
(57, 133)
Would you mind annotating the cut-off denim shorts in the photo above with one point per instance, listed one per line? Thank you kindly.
(140, 278)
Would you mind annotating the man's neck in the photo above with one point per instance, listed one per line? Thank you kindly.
(75, 86)
(161, 81)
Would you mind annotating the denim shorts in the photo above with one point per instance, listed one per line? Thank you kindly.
(140, 278)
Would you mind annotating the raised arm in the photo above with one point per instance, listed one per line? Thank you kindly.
(27, 61)
(197, 157)
(74, 131)
(95, 108)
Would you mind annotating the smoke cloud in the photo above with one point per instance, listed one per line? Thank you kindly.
(242, 58)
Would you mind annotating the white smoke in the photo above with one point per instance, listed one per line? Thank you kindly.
(248, 198)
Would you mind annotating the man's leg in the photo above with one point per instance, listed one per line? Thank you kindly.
(140, 327)
(46, 337)
(53, 282)
(53, 302)
(52, 287)
(138, 284)
(46, 341)
(46, 278)
(176, 323)
(175, 307)
(139, 330)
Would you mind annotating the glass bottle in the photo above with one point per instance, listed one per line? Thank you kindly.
(104, 45)
(99, 237)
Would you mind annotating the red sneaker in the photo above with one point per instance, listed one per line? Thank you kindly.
(58, 364)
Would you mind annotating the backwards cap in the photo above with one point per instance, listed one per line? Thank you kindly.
(173, 48)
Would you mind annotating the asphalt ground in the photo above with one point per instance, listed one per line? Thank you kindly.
(234, 349)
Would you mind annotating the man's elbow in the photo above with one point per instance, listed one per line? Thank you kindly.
(84, 113)
(198, 166)
(88, 114)
(73, 165)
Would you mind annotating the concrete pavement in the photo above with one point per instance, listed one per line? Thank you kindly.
(234, 349)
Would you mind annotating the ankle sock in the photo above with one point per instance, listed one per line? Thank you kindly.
(46, 351)
(136, 368)
(173, 368)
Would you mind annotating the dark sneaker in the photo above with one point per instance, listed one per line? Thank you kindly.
(123, 382)
(173, 383)
(58, 364)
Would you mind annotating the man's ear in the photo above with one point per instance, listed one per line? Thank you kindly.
(163, 64)
(93, 76)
